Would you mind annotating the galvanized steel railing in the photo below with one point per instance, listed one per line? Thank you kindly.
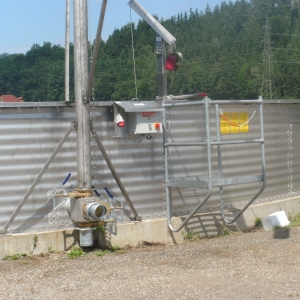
(212, 180)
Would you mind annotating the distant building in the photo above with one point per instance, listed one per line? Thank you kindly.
(10, 98)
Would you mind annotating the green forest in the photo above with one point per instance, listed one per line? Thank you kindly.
(224, 50)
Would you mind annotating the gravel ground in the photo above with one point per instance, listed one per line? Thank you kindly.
(256, 265)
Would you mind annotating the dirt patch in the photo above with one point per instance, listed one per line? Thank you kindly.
(258, 265)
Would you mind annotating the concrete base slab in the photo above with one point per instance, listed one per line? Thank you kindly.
(31, 243)
(154, 231)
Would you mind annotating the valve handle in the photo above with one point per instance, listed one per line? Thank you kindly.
(67, 178)
(96, 192)
(108, 192)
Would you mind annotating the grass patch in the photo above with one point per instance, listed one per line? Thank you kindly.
(102, 252)
(257, 223)
(101, 228)
(294, 221)
(75, 252)
(111, 249)
(226, 232)
(114, 248)
(15, 256)
(190, 236)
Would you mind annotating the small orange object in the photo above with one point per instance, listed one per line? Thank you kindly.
(157, 126)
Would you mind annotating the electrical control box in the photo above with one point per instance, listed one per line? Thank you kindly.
(137, 118)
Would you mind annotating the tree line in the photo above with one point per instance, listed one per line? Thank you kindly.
(222, 49)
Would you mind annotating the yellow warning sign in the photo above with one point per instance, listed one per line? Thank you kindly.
(231, 122)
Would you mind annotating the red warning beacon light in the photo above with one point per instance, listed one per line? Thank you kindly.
(119, 121)
(171, 62)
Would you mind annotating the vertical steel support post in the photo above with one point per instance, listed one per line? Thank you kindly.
(84, 179)
(67, 52)
(160, 66)
(219, 152)
(162, 93)
(262, 136)
(210, 184)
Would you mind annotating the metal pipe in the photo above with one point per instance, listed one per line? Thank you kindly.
(206, 101)
(67, 53)
(166, 168)
(160, 67)
(84, 179)
(235, 101)
(220, 167)
(258, 141)
(95, 52)
(114, 173)
(212, 102)
(37, 180)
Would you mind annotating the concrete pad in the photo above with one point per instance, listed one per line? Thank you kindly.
(153, 231)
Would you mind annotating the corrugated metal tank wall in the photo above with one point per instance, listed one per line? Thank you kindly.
(30, 133)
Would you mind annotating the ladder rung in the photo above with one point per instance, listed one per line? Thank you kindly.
(202, 181)
(215, 143)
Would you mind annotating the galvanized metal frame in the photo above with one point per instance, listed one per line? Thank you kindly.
(261, 178)
(211, 181)
(115, 174)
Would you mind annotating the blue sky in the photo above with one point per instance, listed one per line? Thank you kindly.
(28, 22)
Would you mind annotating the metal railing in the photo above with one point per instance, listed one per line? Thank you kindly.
(212, 180)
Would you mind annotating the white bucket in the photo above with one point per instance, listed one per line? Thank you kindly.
(276, 219)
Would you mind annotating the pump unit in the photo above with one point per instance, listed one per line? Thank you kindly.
(137, 118)
(87, 209)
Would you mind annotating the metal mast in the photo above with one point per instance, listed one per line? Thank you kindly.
(67, 52)
(268, 85)
(84, 179)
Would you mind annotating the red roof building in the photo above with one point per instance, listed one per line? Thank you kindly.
(10, 98)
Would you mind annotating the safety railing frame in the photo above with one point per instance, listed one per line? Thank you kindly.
(211, 182)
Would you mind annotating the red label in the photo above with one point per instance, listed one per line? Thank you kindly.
(148, 114)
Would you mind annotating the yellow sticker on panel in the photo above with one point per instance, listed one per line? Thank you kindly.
(234, 122)
(230, 122)
(224, 125)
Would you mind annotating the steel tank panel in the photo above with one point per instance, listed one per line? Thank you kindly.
(293, 141)
(29, 136)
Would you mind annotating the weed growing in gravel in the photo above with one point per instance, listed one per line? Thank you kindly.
(35, 241)
(101, 252)
(75, 252)
(108, 250)
(294, 221)
(190, 236)
(114, 248)
(226, 232)
(257, 223)
(50, 250)
(15, 256)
